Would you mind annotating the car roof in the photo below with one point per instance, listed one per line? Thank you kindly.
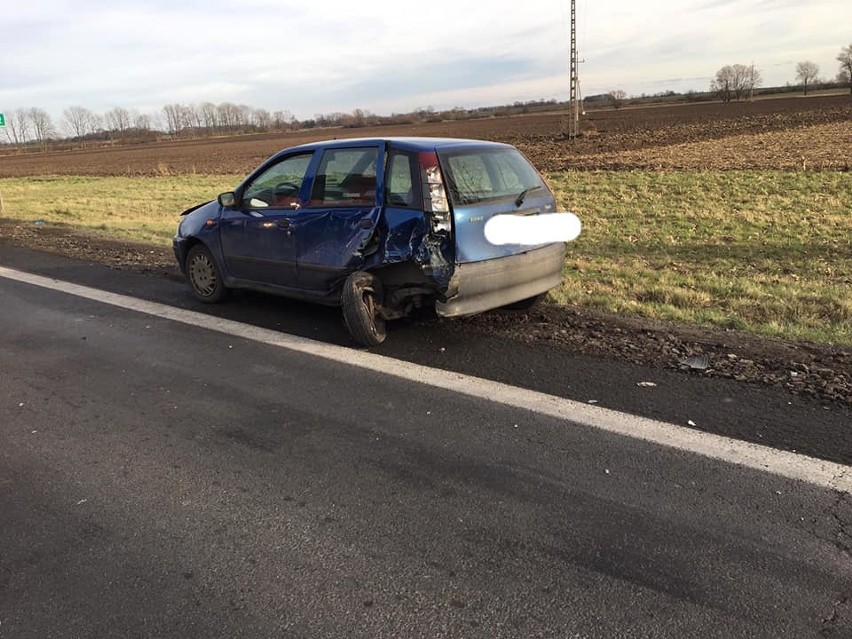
(415, 144)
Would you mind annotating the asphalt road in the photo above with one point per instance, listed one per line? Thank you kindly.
(162, 480)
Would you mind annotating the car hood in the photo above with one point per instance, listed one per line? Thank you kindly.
(196, 207)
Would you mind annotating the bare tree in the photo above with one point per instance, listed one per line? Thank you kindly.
(190, 119)
(753, 79)
(244, 115)
(845, 60)
(617, 98)
(740, 80)
(736, 81)
(79, 121)
(42, 125)
(117, 119)
(197, 118)
(262, 119)
(283, 120)
(723, 84)
(806, 73)
(359, 117)
(228, 115)
(142, 121)
(208, 116)
(174, 116)
(17, 127)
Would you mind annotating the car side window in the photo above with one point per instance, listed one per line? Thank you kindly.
(400, 180)
(279, 185)
(346, 177)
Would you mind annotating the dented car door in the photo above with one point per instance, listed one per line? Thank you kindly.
(336, 228)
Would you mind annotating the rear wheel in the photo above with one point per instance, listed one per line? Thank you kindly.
(203, 275)
(362, 295)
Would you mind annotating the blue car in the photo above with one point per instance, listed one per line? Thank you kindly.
(380, 227)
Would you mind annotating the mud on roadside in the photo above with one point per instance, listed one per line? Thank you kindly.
(817, 370)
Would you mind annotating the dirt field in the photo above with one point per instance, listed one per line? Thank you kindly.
(790, 133)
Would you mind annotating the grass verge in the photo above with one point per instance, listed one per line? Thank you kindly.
(764, 251)
(769, 252)
(142, 209)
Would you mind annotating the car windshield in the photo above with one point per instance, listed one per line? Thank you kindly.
(483, 176)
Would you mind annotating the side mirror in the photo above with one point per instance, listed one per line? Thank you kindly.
(227, 200)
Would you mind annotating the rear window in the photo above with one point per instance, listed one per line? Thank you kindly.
(484, 176)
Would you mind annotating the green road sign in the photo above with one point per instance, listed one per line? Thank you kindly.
(2, 120)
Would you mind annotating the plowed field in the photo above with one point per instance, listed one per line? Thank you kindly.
(784, 133)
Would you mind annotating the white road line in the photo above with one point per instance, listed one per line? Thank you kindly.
(791, 465)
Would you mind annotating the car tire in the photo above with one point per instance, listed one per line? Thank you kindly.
(203, 275)
(527, 304)
(362, 294)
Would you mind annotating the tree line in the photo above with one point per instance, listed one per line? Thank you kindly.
(34, 126)
(737, 81)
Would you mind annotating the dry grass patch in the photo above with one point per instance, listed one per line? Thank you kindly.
(143, 209)
(765, 251)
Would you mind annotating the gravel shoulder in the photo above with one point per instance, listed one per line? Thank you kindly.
(818, 370)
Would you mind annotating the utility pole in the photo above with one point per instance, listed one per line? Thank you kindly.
(574, 103)
(751, 84)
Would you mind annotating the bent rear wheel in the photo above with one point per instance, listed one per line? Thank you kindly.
(203, 275)
(362, 295)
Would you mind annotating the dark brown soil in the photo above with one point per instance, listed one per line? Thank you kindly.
(821, 371)
(612, 139)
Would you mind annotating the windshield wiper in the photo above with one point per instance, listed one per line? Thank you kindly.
(523, 194)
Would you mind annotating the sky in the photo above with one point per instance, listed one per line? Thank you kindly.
(325, 56)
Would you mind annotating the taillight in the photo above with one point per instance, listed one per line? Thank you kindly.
(434, 194)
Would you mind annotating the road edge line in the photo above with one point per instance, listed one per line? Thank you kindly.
(795, 466)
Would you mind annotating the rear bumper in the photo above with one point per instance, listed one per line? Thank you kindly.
(490, 284)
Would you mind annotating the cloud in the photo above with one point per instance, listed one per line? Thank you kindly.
(383, 56)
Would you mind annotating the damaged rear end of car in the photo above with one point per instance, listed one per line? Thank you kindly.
(451, 189)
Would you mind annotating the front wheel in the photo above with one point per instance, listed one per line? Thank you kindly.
(203, 275)
(362, 295)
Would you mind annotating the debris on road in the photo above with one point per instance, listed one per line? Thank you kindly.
(696, 362)
(646, 384)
